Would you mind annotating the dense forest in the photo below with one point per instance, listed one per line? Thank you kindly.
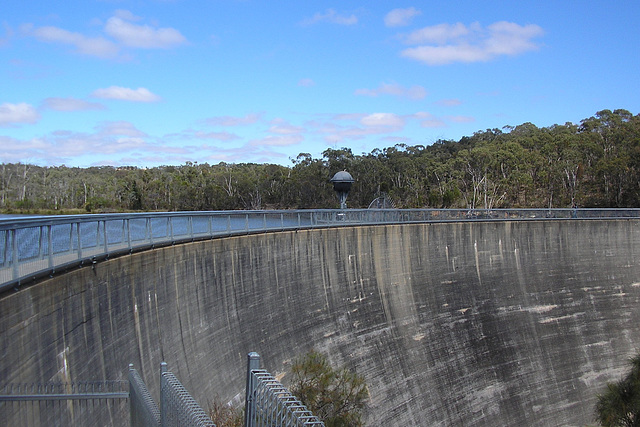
(593, 164)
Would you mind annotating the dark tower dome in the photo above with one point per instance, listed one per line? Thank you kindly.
(342, 185)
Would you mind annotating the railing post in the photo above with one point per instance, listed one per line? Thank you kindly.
(128, 230)
(149, 230)
(163, 369)
(253, 363)
(98, 233)
(14, 253)
(41, 243)
(79, 236)
(132, 397)
(105, 236)
(50, 244)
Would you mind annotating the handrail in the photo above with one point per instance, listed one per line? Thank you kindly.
(40, 246)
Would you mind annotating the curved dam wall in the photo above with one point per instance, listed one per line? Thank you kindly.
(472, 323)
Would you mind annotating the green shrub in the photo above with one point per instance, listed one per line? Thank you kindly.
(337, 397)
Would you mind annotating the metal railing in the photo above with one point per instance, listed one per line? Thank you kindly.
(143, 409)
(78, 403)
(177, 406)
(36, 247)
(268, 403)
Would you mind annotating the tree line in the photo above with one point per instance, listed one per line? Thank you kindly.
(592, 164)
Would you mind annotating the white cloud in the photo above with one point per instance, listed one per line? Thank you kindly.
(439, 34)
(353, 126)
(401, 17)
(58, 147)
(461, 119)
(71, 104)
(428, 120)
(413, 92)
(108, 138)
(119, 128)
(12, 114)
(306, 82)
(234, 121)
(8, 31)
(383, 119)
(283, 127)
(333, 17)
(126, 14)
(92, 46)
(218, 136)
(120, 28)
(445, 44)
(125, 94)
(142, 36)
(277, 140)
(449, 102)
(14, 150)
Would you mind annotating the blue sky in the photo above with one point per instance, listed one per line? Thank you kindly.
(148, 83)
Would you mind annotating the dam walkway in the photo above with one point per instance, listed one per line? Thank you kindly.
(36, 247)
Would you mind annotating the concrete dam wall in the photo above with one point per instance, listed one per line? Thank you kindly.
(470, 323)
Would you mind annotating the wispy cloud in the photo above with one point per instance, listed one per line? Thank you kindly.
(142, 36)
(413, 92)
(441, 33)
(282, 133)
(428, 120)
(446, 43)
(125, 94)
(58, 147)
(120, 32)
(282, 127)
(8, 34)
(70, 104)
(121, 128)
(306, 82)
(277, 140)
(384, 120)
(401, 17)
(99, 47)
(21, 113)
(340, 127)
(461, 119)
(234, 120)
(449, 102)
(331, 16)
(217, 136)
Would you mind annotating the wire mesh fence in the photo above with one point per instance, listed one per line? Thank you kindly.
(177, 407)
(64, 404)
(268, 403)
(143, 409)
(90, 403)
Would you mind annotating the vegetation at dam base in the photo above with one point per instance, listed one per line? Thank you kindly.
(336, 396)
(593, 164)
(619, 405)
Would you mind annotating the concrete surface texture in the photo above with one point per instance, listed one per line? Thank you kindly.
(475, 323)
